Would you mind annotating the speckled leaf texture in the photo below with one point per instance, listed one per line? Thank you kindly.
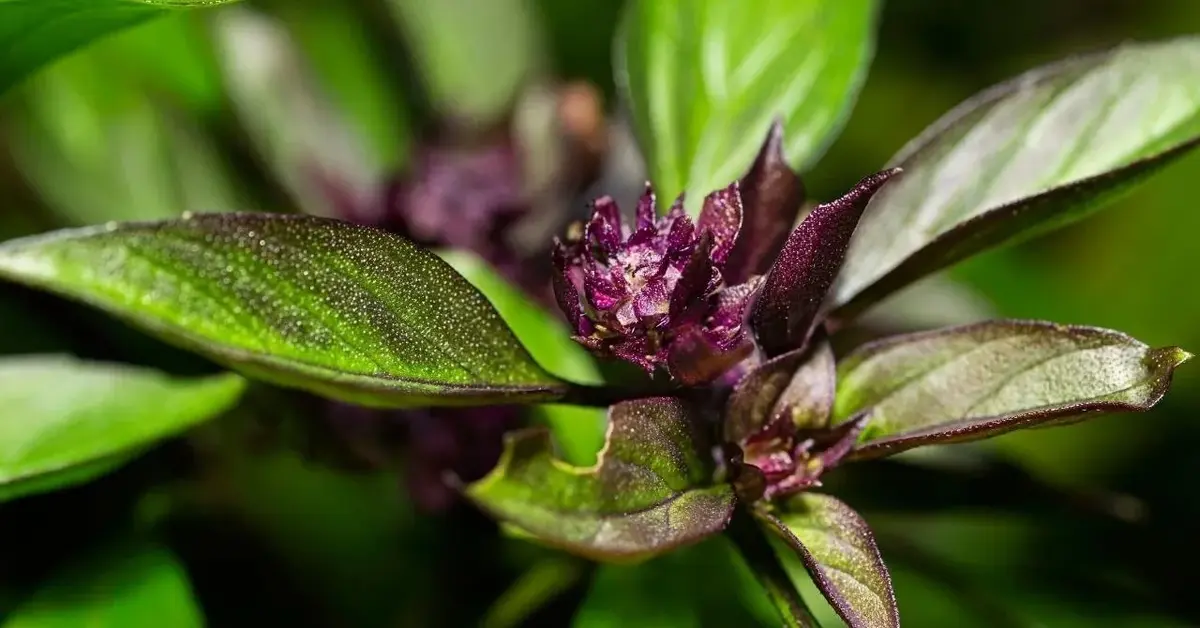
(705, 79)
(839, 552)
(1025, 157)
(35, 32)
(976, 381)
(64, 421)
(652, 489)
(349, 312)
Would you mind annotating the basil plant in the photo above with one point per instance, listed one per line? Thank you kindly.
(706, 314)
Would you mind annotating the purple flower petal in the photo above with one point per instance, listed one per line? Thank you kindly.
(772, 194)
(565, 291)
(693, 283)
(646, 209)
(722, 217)
(604, 229)
(786, 311)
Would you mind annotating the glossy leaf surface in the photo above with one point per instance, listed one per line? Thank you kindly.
(349, 312)
(839, 552)
(35, 32)
(975, 381)
(651, 491)
(705, 79)
(132, 585)
(1024, 157)
(64, 421)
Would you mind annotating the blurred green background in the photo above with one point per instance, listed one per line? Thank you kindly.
(201, 111)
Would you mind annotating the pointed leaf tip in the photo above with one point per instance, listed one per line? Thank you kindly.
(976, 381)
(786, 310)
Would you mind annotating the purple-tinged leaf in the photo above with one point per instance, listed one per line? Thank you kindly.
(695, 358)
(972, 382)
(797, 383)
(772, 194)
(839, 552)
(1027, 156)
(786, 310)
(652, 489)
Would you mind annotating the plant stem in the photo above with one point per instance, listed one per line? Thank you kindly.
(752, 542)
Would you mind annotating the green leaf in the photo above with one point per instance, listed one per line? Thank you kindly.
(127, 585)
(65, 421)
(1025, 157)
(128, 153)
(307, 141)
(35, 32)
(345, 311)
(705, 79)
(972, 382)
(651, 491)
(839, 552)
(473, 55)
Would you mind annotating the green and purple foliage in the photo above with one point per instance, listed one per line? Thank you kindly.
(725, 288)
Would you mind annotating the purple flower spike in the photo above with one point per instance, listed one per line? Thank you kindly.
(786, 312)
(792, 461)
(652, 292)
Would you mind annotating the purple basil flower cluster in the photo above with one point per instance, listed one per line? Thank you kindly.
(708, 302)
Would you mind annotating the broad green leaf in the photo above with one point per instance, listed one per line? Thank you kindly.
(705, 79)
(35, 32)
(839, 552)
(473, 55)
(972, 382)
(126, 585)
(64, 422)
(349, 312)
(129, 154)
(651, 491)
(1025, 157)
(308, 143)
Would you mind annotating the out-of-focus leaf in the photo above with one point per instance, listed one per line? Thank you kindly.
(307, 141)
(578, 431)
(64, 422)
(707, 584)
(800, 383)
(130, 585)
(35, 32)
(1025, 157)
(651, 491)
(474, 55)
(705, 79)
(349, 312)
(839, 552)
(127, 154)
(975, 381)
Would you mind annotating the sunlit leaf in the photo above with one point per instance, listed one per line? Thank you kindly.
(839, 552)
(131, 585)
(704, 80)
(349, 312)
(35, 32)
(1025, 157)
(975, 381)
(651, 491)
(64, 422)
